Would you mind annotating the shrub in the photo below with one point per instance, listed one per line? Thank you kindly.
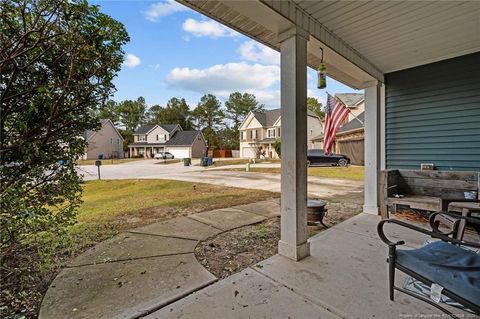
(277, 146)
(58, 61)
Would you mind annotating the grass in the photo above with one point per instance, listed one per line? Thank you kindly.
(108, 161)
(355, 173)
(107, 201)
(110, 207)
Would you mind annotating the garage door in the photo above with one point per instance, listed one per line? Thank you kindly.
(248, 152)
(179, 152)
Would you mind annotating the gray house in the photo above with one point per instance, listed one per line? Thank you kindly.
(107, 142)
(151, 139)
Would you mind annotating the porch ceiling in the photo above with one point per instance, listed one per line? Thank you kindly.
(395, 35)
(361, 40)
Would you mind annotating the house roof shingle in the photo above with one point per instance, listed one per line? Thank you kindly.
(350, 99)
(353, 124)
(144, 129)
(169, 127)
(269, 117)
(179, 138)
(183, 138)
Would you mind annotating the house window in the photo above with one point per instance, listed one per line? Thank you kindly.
(111, 140)
(254, 134)
(142, 138)
(118, 141)
(243, 135)
(271, 132)
(279, 131)
(311, 132)
(157, 137)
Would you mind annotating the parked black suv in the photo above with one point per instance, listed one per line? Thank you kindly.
(316, 157)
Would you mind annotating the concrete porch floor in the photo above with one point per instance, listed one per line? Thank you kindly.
(345, 277)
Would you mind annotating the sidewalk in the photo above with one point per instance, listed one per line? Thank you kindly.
(345, 277)
(138, 272)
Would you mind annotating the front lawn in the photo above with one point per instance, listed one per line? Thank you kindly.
(109, 207)
(355, 173)
(146, 201)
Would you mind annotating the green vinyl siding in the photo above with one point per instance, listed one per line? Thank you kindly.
(433, 115)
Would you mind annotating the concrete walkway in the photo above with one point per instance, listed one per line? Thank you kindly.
(345, 277)
(136, 273)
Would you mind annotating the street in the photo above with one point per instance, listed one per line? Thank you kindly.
(147, 169)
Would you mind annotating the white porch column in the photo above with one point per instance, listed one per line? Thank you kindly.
(373, 98)
(293, 50)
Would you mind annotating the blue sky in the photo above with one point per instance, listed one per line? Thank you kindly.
(177, 52)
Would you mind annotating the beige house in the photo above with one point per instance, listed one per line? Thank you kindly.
(107, 142)
(355, 103)
(151, 139)
(260, 130)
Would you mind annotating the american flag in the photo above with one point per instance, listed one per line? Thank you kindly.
(335, 114)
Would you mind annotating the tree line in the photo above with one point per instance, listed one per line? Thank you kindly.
(219, 123)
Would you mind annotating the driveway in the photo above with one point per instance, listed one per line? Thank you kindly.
(317, 186)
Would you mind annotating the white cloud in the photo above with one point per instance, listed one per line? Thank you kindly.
(230, 76)
(132, 61)
(257, 52)
(223, 79)
(162, 9)
(207, 28)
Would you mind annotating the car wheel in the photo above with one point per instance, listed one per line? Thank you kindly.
(342, 162)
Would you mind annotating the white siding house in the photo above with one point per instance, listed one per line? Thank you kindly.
(151, 139)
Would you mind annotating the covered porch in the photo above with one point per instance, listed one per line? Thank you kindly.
(345, 276)
(415, 61)
(147, 151)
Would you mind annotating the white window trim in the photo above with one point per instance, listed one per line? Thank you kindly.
(271, 130)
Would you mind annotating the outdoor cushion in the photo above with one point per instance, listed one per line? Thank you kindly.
(454, 268)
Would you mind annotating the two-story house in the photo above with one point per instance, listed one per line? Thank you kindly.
(260, 130)
(150, 139)
(107, 142)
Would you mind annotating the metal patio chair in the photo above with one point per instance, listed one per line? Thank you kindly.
(444, 262)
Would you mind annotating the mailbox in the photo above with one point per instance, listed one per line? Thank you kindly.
(98, 163)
